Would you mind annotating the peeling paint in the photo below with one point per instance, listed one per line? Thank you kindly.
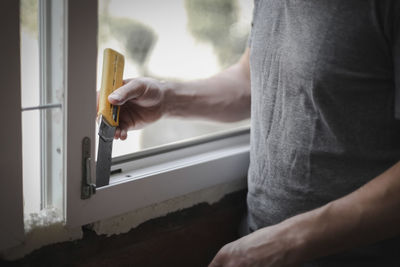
(47, 228)
(41, 229)
(124, 223)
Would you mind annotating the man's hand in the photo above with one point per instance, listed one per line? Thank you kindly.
(365, 216)
(223, 97)
(141, 101)
(270, 246)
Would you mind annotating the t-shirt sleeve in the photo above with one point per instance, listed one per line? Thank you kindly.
(252, 23)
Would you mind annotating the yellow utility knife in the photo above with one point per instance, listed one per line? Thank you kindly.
(113, 68)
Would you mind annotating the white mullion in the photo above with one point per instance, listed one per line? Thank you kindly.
(52, 41)
(58, 40)
(44, 70)
(81, 94)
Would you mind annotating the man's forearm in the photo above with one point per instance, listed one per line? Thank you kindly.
(223, 97)
(369, 214)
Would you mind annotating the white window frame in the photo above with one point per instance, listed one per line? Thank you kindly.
(156, 175)
(53, 63)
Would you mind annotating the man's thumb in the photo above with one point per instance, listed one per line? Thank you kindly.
(126, 92)
(116, 98)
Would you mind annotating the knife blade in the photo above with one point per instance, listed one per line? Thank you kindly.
(113, 67)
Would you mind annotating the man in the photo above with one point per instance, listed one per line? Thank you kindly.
(323, 179)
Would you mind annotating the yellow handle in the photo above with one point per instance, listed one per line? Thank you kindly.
(113, 68)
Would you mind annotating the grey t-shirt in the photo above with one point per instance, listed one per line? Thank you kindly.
(323, 78)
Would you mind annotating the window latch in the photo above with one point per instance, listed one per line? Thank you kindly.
(87, 188)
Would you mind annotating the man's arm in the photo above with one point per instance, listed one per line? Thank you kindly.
(369, 214)
(223, 97)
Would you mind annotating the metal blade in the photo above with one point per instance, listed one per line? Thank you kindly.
(103, 166)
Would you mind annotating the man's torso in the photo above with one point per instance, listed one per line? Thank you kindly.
(323, 123)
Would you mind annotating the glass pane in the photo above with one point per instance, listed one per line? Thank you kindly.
(173, 40)
(31, 161)
(30, 83)
(42, 155)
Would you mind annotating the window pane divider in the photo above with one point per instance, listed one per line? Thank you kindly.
(46, 106)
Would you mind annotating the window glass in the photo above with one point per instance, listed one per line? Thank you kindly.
(42, 96)
(173, 40)
(30, 96)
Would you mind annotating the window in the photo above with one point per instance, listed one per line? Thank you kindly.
(62, 111)
(157, 173)
(42, 34)
(194, 39)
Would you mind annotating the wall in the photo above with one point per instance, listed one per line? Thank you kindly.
(189, 237)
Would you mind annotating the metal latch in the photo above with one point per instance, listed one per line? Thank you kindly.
(87, 188)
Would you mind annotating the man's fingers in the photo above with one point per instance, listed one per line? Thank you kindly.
(215, 263)
(133, 89)
(124, 134)
(218, 260)
(117, 133)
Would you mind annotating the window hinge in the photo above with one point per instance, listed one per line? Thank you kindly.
(87, 187)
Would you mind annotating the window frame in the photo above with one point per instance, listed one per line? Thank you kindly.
(154, 179)
(53, 64)
(194, 165)
(80, 95)
(220, 159)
